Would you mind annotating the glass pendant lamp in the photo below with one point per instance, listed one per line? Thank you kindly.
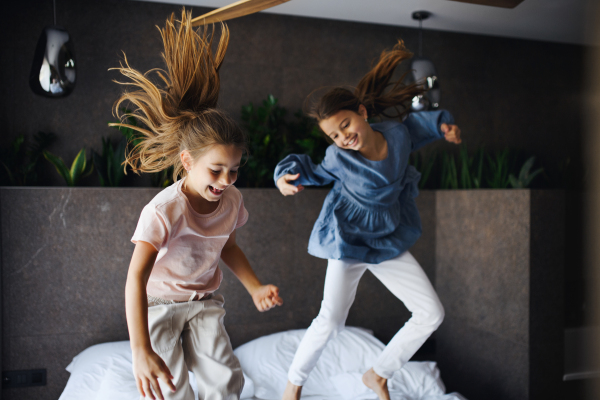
(53, 70)
(423, 71)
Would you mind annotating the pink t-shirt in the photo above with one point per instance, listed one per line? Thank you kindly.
(189, 244)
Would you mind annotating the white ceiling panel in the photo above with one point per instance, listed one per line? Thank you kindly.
(563, 21)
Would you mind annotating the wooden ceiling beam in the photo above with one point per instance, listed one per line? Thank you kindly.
(235, 10)
(494, 3)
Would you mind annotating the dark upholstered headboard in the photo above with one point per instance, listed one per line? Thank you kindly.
(65, 254)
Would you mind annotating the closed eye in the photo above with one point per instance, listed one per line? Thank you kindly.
(215, 172)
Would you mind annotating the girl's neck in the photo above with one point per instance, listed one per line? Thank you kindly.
(198, 203)
(375, 147)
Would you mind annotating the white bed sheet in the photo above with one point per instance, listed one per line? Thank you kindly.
(338, 373)
(103, 372)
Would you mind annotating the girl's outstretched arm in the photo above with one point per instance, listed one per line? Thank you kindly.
(265, 297)
(147, 365)
(297, 170)
(428, 126)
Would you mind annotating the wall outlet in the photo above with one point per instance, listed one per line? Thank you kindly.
(26, 378)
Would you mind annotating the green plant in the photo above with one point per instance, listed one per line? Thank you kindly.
(80, 168)
(109, 164)
(471, 168)
(424, 166)
(492, 170)
(267, 141)
(308, 138)
(20, 162)
(163, 178)
(160, 179)
(133, 137)
(477, 174)
(449, 173)
(525, 175)
(271, 137)
(499, 169)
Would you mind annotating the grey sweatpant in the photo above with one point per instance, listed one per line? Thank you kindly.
(191, 336)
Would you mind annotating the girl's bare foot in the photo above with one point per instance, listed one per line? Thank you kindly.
(292, 392)
(376, 384)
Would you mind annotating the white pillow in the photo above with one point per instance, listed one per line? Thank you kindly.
(339, 370)
(89, 368)
(104, 372)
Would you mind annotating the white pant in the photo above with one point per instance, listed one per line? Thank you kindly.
(191, 336)
(405, 278)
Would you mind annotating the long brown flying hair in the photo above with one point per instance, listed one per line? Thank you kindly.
(375, 91)
(181, 113)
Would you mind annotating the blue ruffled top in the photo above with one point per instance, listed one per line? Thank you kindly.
(370, 214)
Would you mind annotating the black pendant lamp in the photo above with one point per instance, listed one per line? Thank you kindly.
(423, 71)
(53, 69)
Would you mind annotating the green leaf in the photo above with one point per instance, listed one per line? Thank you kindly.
(60, 166)
(100, 168)
(89, 168)
(427, 170)
(514, 182)
(110, 166)
(17, 143)
(78, 167)
(11, 177)
(42, 141)
(525, 169)
(465, 173)
(119, 159)
(478, 174)
(534, 174)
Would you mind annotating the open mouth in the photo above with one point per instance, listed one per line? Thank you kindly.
(352, 142)
(215, 191)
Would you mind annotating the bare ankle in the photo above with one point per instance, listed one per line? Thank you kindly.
(293, 387)
(376, 383)
(292, 392)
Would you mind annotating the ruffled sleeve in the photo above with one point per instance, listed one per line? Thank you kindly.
(424, 126)
(311, 174)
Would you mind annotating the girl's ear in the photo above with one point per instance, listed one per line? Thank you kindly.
(186, 160)
(362, 111)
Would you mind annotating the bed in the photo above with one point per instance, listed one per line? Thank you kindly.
(103, 371)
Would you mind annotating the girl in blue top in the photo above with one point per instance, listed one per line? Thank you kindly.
(369, 219)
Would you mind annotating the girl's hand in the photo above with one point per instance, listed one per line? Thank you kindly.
(286, 188)
(266, 297)
(147, 368)
(451, 133)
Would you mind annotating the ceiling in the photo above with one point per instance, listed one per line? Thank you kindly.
(563, 21)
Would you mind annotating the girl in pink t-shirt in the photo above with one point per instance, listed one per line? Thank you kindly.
(175, 321)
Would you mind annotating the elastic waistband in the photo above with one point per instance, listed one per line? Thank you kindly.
(155, 301)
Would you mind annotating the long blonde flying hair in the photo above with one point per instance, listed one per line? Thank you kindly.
(181, 115)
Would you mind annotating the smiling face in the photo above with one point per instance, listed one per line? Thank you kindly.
(347, 129)
(213, 172)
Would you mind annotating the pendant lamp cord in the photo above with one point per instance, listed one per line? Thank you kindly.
(54, 2)
(420, 36)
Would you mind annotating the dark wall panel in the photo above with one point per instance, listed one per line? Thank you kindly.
(66, 251)
(503, 92)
